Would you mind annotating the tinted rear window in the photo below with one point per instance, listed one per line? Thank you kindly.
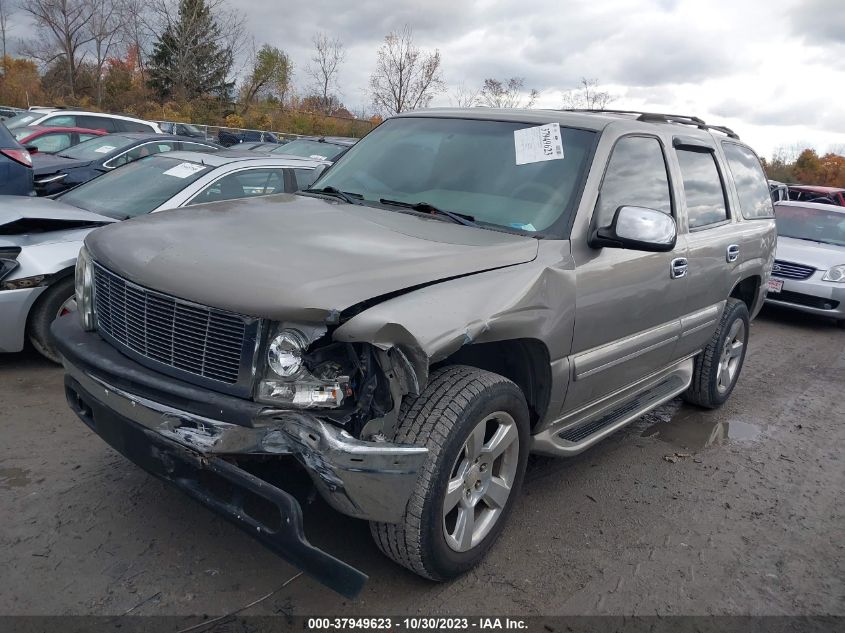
(755, 200)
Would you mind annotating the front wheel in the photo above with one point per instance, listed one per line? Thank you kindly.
(717, 367)
(475, 426)
(57, 301)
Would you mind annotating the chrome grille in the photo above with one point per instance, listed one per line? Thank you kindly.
(202, 341)
(788, 270)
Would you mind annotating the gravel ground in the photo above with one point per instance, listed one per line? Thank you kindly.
(735, 511)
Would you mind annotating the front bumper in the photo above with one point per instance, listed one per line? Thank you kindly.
(813, 296)
(186, 435)
(14, 312)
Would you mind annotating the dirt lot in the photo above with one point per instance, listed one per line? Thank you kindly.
(737, 511)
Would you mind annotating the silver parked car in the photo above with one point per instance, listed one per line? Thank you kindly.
(809, 270)
(40, 238)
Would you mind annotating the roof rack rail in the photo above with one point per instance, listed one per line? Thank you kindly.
(657, 117)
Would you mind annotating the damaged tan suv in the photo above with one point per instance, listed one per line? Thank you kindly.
(462, 288)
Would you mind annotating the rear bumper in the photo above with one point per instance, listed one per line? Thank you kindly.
(190, 437)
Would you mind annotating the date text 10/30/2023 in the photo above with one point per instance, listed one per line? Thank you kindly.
(417, 624)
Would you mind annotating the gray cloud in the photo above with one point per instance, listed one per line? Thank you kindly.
(819, 21)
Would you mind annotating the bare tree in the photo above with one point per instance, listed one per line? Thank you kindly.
(507, 94)
(136, 32)
(6, 10)
(464, 97)
(324, 67)
(106, 28)
(63, 27)
(405, 78)
(587, 96)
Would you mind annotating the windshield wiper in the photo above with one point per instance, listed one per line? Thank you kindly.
(425, 207)
(346, 196)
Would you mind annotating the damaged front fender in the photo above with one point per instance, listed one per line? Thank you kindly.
(532, 300)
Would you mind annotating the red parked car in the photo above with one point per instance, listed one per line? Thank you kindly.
(814, 193)
(49, 140)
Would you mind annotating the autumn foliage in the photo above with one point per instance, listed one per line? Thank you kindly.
(808, 168)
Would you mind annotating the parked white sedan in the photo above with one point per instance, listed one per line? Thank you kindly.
(40, 238)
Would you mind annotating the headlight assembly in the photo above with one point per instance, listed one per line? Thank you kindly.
(835, 274)
(84, 285)
(284, 354)
(295, 378)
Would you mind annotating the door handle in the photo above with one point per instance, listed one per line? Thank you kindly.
(679, 267)
(732, 253)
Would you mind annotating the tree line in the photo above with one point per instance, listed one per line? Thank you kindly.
(176, 60)
(806, 167)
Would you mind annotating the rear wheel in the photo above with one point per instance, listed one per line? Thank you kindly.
(717, 368)
(58, 300)
(475, 426)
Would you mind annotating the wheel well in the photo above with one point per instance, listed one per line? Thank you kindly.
(51, 281)
(524, 361)
(746, 291)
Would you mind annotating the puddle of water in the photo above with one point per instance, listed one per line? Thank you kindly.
(13, 478)
(694, 431)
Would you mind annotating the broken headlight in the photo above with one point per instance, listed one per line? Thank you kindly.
(297, 378)
(84, 286)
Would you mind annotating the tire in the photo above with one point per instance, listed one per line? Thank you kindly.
(454, 403)
(44, 312)
(717, 368)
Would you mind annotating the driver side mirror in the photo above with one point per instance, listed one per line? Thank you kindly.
(32, 149)
(638, 229)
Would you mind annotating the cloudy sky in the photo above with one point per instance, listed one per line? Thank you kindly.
(774, 70)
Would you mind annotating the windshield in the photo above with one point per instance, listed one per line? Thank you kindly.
(310, 149)
(817, 225)
(136, 188)
(22, 120)
(467, 167)
(97, 147)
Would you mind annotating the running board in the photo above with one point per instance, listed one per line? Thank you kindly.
(581, 435)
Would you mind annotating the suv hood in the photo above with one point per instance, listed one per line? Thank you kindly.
(816, 254)
(291, 257)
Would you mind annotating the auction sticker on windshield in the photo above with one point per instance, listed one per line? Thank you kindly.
(536, 144)
(105, 149)
(183, 170)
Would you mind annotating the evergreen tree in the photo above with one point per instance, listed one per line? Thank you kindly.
(190, 58)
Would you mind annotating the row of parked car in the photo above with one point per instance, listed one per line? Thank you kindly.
(85, 177)
(48, 141)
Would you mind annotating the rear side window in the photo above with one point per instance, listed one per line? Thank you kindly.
(703, 188)
(636, 176)
(99, 123)
(133, 126)
(304, 178)
(147, 149)
(243, 184)
(60, 121)
(751, 184)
